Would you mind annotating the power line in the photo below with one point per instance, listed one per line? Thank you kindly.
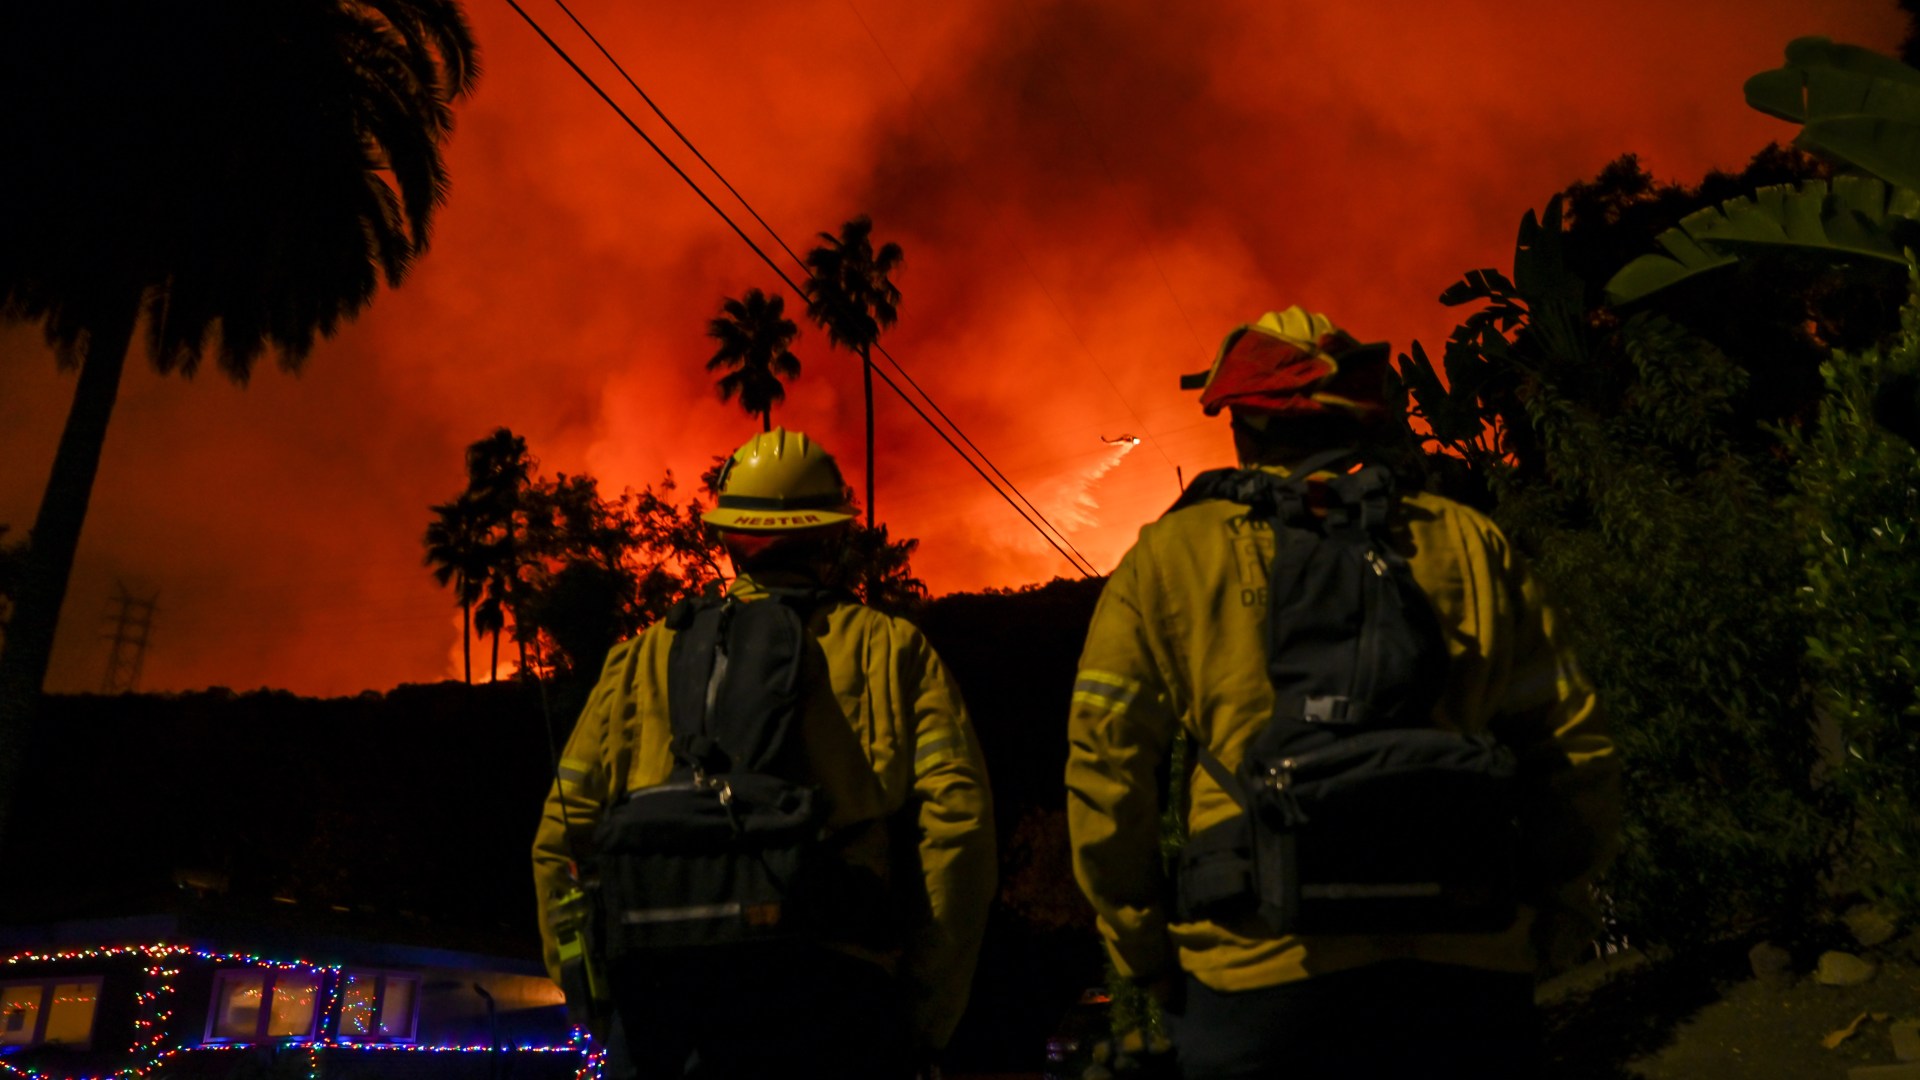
(638, 130)
(1085, 570)
(771, 231)
(983, 456)
(688, 143)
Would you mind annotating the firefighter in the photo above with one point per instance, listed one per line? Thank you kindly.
(1178, 643)
(888, 743)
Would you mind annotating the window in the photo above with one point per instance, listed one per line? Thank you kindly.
(377, 1007)
(52, 1011)
(256, 1005)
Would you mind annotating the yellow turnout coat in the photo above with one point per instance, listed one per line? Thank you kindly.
(1178, 640)
(889, 744)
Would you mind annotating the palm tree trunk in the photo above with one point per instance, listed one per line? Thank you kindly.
(466, 633)
(513, 591)
(866, 375)
(493, 672)
(766, 421)
(56, 533)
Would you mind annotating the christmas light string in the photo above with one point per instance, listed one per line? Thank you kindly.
(163, 950)
(150, 1027)
(593, 1059)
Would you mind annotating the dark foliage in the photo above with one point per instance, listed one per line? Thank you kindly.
(596, 570)
(246, 169)
(1674, 564)
(878, 570)
(568, 570)
(1640, 460)
(1857, 503)
(1776, 317)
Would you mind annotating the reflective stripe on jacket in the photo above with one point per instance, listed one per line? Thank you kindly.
(886, 735)
(1179, 638)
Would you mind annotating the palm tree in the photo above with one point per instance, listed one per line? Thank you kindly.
(848, 293)
(238, 175)
(457, 550)
(754, 333)
(499, 471)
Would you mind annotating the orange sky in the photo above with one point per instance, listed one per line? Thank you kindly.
(1089, 195)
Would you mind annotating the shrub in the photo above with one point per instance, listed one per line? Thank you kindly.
(1664, 544)
(1857, 493)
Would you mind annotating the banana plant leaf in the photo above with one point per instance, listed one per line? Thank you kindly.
(1856, 217)
(1481, 284)
(1450, 410)
(1852, 103)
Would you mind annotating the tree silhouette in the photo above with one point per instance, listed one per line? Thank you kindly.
(599, 569)
(578, 593)
(878, 571)
(850, 295)
(499, 472)
(457, 549)
(754, 333)
(234, 171)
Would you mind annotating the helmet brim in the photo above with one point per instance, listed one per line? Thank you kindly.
(773, 520)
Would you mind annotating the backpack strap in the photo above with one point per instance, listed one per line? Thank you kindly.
(696, 663)
(1264, 494)
(1364, 500)
(1222, 775)
(1320, 462)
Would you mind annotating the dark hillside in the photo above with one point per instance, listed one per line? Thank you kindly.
(411, 808)
(1014, 654)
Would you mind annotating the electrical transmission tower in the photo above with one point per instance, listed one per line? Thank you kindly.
(132, 623)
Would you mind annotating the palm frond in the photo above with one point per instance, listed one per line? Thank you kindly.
(279, 160)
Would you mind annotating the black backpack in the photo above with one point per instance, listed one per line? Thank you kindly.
(729, 850)
(1359, 815)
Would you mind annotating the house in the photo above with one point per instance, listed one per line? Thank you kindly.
(175, 996)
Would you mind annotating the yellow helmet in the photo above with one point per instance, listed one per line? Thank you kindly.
(780, 481)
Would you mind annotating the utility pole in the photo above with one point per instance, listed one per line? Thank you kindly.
(132, 623)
